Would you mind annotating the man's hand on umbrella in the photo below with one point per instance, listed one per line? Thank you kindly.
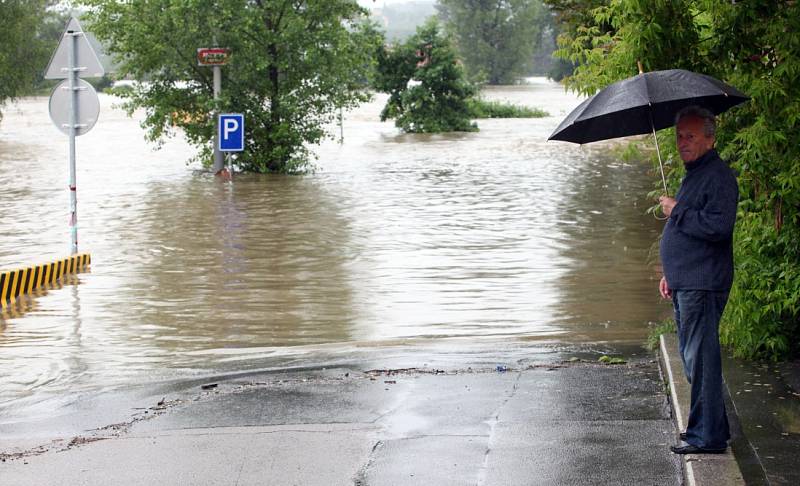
(667, 203)
(663, 287)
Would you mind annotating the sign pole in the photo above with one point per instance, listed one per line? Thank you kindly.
(219, 162)
(74, 106)
(215, 57)
(73, 88)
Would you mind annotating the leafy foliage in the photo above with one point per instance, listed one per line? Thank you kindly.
(428, 91)
(23, 56)
(293, 66)
(479, 108)
(752, 46)
(495, 38)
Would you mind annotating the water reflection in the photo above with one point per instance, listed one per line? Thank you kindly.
(395, 238)
(53, 344)
(609, 287)
(252, 264)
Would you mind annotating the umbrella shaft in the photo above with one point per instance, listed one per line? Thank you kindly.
(658, 151)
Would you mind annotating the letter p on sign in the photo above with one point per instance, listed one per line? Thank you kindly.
(231, 132)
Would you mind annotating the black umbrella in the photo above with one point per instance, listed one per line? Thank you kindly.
(643, 104)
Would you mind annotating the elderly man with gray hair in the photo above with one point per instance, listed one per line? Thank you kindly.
(697, 255)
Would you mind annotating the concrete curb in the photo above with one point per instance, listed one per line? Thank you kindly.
(701, 469)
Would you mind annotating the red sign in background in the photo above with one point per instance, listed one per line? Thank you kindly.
(213, 56)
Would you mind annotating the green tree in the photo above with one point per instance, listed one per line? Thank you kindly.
(495, 38)
(293, 65)
(427, 88)
(23, 56)
(747, 44)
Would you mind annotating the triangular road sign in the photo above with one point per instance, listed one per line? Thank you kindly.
(86, 57)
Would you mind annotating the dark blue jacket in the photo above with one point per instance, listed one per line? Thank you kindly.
(697, 244)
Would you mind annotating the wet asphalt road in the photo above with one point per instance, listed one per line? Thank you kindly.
(565, 423)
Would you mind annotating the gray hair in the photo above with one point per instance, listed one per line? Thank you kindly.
(708, 118)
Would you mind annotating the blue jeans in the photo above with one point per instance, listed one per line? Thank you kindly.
(697, 315)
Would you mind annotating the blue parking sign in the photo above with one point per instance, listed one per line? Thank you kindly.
(231, 132)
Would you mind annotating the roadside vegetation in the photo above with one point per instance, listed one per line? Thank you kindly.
(667, 326)
(745, 44)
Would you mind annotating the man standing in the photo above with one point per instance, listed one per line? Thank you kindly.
(697, 255)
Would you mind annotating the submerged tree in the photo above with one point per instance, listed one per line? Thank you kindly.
(293, 66)
(496, 38)
(427, 88)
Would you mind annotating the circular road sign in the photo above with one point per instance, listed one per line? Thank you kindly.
(87, 110)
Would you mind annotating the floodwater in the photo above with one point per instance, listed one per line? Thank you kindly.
(495, 236)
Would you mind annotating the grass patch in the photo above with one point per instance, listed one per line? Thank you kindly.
(479, 108)
(666, 327)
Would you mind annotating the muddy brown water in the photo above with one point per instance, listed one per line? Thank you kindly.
(495, 236)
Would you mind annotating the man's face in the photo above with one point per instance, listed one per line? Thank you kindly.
(692, 142)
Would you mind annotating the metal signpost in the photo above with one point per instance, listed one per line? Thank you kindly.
(74, 106)
(215, 57)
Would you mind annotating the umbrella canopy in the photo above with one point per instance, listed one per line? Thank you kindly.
(643, 104)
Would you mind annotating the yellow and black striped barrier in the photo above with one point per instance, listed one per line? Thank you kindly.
(14, 283)
(23, 306)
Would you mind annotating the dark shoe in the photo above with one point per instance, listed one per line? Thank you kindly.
(683, 436)
(691, 449)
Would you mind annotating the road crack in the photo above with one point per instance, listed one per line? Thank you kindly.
(492, 422)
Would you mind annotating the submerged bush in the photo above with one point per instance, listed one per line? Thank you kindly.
(427, 88)
(479, 108)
